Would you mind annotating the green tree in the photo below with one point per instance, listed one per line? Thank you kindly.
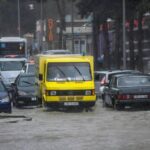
(100, 15)
(143, 6)
(130, 16)
(61, 7)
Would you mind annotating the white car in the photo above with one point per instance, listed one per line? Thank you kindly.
(29, 67)
(10, 68)
(56, 52)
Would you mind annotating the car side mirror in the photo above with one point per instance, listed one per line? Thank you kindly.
(13, 84)
(40, 77)
(22, 71)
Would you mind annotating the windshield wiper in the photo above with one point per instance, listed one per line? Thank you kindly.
(27, 82)
(79, 72)
(62, 73)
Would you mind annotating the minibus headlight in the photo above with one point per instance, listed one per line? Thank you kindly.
(52, 93)
(88, 92)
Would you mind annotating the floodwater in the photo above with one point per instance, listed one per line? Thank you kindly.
(100, 129)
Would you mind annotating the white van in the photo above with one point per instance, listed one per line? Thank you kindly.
(10, 68)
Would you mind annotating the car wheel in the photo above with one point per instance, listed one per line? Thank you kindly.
(17, 105)
(9, 111)
(102, 96)
(40, 102)
(44, 104)
(117, 106)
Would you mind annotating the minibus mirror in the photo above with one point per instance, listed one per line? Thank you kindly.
(40, 77)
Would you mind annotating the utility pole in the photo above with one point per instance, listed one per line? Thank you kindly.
(41, 18)
(19, 30)
(72, 24)
(124, 35)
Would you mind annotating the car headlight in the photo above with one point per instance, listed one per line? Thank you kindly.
(5, 99)
(22, 93)
(88, 92)
(52, 93)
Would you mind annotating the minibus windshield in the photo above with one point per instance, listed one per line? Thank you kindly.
(69, 72)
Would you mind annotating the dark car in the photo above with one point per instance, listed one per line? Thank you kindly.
(5, 100)
(103, 77)
(24, 90)
(126, 90)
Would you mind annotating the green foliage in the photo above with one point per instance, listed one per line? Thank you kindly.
(103, 9)
(109, 8)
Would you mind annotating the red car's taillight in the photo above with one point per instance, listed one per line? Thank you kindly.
(124, 97)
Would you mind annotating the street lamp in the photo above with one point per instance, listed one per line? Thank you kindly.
(124, 35)
(31, 6)
(19, 30)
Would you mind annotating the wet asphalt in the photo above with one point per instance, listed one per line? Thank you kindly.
(35, 128)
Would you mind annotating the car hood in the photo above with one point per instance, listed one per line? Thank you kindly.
(28, 89)
(3, 94)
(76, 85)
(9, 74)
(133, 90)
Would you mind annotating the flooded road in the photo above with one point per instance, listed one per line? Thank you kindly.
(101, 129)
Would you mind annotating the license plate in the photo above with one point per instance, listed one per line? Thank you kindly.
(33, 98)
(21, 102)
(79, 98)
(62, 98)
(140, 96)
(71, 103)
(65, 98)
(71, 98)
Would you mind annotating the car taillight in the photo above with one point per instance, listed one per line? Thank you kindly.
(103, 81)
(124, 97)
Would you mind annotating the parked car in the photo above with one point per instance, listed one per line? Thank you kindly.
(5, 99)
(24, 90)
(56, 52)
(99, 76)
(10, 68)
(103, 77)
(29, 67)
(127, 89)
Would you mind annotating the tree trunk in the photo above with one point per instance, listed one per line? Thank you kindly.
(131, 44)
(107, 47)
(95, 39)
(117, 45)
(140, 39)
(61, 10)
